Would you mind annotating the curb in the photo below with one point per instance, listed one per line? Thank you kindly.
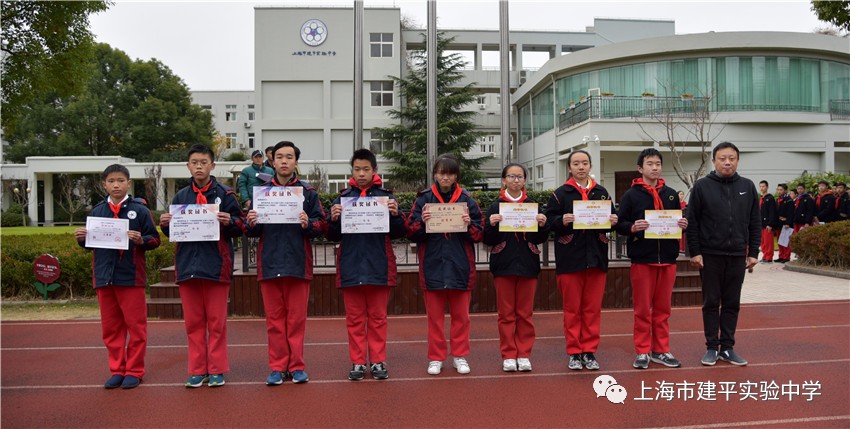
(796, 267)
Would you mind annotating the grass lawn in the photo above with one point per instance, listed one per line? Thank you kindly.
(49, 310)
(32, 230)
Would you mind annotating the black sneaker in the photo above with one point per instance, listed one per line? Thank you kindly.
(710, 357)
(732, 357)
(357, 372)
(575, 362)
(114, 382)
(589, 361)
(665, 359)
(641, 361)
(379, 371)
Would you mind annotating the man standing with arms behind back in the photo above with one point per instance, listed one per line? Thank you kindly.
(724, 232)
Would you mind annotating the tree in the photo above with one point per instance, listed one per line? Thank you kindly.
(71, 193)
(834, 12)
(46, 48)
(138, 109)
(455, 130)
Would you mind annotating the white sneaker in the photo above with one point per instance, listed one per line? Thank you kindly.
(434, 367)
(509, 365)
(461, 365)
(523, 364)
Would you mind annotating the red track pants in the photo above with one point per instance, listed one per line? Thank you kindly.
(652, 290)
(435, 306)
(582, 295)
(123, 313)
(205, 317)
(285, 302)
(515, 301)
(767, 244)
(366, 319)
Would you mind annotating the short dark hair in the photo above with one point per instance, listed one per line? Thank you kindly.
(783, 186)
(803, 185)
(823, 182)
(514, 164)
(366, 154)
(269, 149)
(570, 156)
(840, 184)
(447, 163)
(203, 150)
(115, 168)
(724, 145)
(765, 183)
(287, 144)
(792, 190)
(650, 151)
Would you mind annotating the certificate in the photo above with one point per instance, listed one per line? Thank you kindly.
(518, 217)
(365, 215)
(446, 217)
(194, 222)
(785, 235)
(278, 204)
(663, 224)
(592, 214)
(107, 233)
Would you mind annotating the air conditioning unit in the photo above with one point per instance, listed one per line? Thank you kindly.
(241, 145)
(482, 106)
(247, 125)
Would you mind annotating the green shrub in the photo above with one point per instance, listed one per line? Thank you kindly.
(824, 245)
(19, 251)
(811, 181)
(236, 156)
(13, 216)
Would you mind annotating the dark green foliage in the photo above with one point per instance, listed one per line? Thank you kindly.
(835, 12)
(811, 181)
(825, 245)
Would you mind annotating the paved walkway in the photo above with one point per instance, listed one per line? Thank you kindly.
(773, 283)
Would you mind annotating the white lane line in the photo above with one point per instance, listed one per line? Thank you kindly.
(345, 343)
(761, 422)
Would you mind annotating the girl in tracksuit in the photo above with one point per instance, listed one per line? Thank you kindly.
(515, 264)
(284, 270)
(446, 265)
(581, 261)
(366, 270)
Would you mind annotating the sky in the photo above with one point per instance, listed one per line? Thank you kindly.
(210, 44)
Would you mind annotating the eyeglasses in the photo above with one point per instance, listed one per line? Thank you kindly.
(514, 178)
(203, 163)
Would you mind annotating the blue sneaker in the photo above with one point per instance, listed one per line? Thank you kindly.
(130, 382)
(114, 381)
(275, 378)
(216, 380)
(299, 376)
(197, 380)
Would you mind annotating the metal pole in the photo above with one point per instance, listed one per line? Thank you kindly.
(358, 74)
(505, 80)
(431, 46)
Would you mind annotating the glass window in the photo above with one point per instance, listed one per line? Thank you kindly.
(251, 140)
(378, 144)
(231, 140)
(381, 45)
(250, 112)
(381, 93)
(230, 112)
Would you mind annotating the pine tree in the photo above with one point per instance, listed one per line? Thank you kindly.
(455, 130)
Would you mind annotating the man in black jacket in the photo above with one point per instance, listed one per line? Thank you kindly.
(724, 233)
(824, 204)
(769, 220)
(804, 209)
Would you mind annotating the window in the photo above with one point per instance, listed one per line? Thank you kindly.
(539, 171)
(381, 93)
(482, 99)
(206, 107)
(381, 45)
(251, 113)
(483, 148)
(378, 144)
(251, 140)
(231, 140)
(491, 138)
(499, 100)
(230, 113)
(492, 148)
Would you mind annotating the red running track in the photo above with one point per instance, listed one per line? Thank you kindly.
(52, 375)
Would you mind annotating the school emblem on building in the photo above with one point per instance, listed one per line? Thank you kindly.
(314, 32)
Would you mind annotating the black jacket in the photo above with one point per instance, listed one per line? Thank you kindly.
(723, 217)
(513, 253)
(768, 209)
(825, 207)
(804, 209)
(785, 211)
(634, 203)
(842, 211)
(576, 250)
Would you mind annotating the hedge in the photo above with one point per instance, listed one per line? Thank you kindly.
(13, 216)
(19, 251)
(811, 181)
(825, 245)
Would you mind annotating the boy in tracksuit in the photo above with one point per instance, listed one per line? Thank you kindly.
(804, 209)
(204, 270)
(785, 217)
(653, 270)
(366, 270)
(824, 204)
(769, 221)
(285, 268)
(842, 202)
(120, 278)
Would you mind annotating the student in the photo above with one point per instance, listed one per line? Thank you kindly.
(653, 270)
(446, 265)
(842, 202)
(119, 278)
(581, 261)
(253, 175)
(366, 270)
(785, 218)
(515, 264)
(769, 221)
(269, 162)
(723, 254)
(204, 270)
(804, 209)
(824, 204)
(285, 268)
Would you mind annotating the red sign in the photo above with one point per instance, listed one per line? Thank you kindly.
(46, 268)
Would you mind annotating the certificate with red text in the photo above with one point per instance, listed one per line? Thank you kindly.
(278, 204)
(663, 224)
(592, 214)
(194, 222)
(365, 215)
(518, 217)
(446, 217)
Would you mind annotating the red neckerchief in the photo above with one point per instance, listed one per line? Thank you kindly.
(761, 200)
(503, 195)
(455, 194)
(376, 180)
(797, 201)
(201, 198)
(656, 199)
(583, 191)
(290, 182)
(817, 202)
